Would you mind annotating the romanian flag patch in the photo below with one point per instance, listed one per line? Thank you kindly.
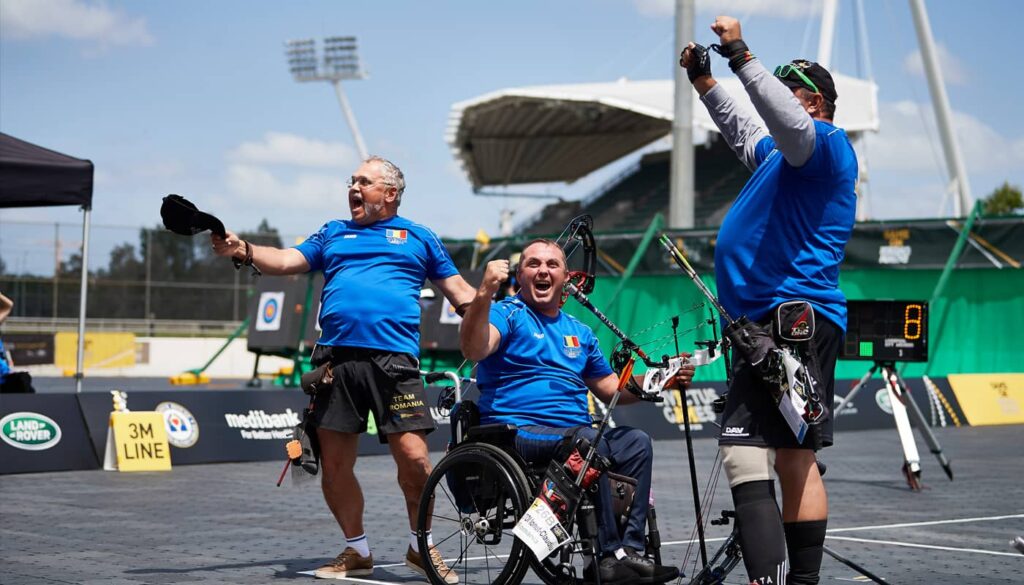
(571, 345)
(397, 236)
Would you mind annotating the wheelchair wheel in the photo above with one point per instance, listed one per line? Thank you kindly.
(471, 502)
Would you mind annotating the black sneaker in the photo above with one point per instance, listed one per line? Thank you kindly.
(613, 572)
(646, 569)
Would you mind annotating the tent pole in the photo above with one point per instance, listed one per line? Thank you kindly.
(86, 210)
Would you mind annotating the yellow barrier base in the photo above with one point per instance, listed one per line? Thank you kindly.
(187, 378)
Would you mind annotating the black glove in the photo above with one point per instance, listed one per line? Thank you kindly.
(700, 62)
(753, 342)
(736, 52)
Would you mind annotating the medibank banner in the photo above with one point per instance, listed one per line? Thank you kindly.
(211, 426)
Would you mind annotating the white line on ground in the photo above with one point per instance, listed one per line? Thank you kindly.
(833, 530)
(929, 546)
(372, 581)
(928, 523)
(879, 527)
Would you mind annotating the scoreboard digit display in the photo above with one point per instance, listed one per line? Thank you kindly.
(886, 331)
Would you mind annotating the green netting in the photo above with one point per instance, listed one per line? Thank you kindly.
(974, 328)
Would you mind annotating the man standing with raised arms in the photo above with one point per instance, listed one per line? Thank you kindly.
(374, 267)
(783, 239)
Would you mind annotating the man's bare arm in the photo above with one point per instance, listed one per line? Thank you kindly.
(6, 305)
(458, 292)
(605, 388)
(271, 260)
(477, 337)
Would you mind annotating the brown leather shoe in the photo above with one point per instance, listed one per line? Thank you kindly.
(414, 561)
(347, 564)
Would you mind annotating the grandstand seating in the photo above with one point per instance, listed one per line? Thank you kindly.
(631, 202)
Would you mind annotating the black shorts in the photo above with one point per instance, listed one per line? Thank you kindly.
(363, 384)
(751, 416)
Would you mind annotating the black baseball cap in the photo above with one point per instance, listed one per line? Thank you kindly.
(182, 217)
(799, 72)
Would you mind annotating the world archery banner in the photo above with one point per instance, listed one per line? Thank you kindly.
(268, 316)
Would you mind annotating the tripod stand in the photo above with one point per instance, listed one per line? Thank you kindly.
(903, 410)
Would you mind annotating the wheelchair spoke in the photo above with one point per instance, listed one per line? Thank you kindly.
(484, 492)
(487, 563)
(439, 517)
(451, 499)
(445, 539)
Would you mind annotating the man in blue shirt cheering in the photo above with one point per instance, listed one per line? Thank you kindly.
(782, 240)
(374, 267)
(535, 367)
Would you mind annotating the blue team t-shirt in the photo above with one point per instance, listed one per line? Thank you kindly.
(784, 237)
(373, 275)
(536, 376)
(5, 368)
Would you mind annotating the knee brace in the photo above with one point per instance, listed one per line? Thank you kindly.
(761, 536)
(805, 541)
(745, 464)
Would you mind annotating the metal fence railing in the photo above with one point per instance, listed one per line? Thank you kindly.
(136, 275)
(141, 327)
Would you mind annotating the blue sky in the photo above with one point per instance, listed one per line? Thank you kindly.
(194, 97)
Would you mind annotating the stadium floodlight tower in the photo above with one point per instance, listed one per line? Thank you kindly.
(341, 61)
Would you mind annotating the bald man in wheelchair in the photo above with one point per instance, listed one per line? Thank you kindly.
(536, 365)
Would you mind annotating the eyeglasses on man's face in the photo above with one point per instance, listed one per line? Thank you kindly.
(363, 182)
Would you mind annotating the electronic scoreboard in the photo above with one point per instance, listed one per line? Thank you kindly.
(886, 331)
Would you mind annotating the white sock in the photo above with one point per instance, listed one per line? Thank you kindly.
(360, 544)
(620, 553)
(414, 542)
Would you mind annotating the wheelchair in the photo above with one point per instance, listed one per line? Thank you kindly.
(481, 488)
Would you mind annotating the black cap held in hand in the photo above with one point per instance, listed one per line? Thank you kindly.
(816, 73)
(182, 217)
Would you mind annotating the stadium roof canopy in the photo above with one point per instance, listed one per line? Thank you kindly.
(560, 133)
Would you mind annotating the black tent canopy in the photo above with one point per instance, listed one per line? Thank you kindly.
(33, 176)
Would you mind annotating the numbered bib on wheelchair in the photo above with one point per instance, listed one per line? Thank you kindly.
(542, 527)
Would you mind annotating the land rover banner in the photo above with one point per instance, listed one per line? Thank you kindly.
(43, 432)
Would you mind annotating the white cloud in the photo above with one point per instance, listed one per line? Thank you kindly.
(256, 187)
(789, 9)
(279, 148)
(953, 69)
(72, 19)
(908, 141)
(907, 166)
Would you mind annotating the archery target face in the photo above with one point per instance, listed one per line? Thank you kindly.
(268, 315)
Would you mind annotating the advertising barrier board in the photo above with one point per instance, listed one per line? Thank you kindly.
(43, 432)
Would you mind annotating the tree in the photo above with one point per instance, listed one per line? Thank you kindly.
(1005, 200)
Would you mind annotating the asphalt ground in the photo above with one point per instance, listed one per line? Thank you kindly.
(228, 523)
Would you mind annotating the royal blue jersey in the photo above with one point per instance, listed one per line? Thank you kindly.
(784, 237)
(5, 368)
(536, 376)
(373, 275)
